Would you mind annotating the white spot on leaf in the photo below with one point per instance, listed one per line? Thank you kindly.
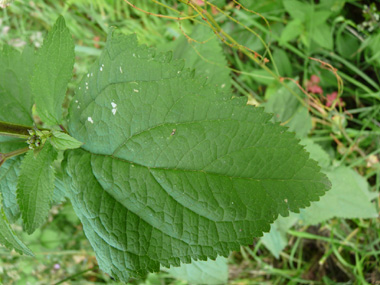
(114, 108)
(90, 120)
(136, 90)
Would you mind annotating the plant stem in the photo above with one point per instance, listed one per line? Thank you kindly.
(13, 130)
(5, 156)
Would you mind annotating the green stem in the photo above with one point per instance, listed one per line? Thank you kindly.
(13, 130)
(5, 156)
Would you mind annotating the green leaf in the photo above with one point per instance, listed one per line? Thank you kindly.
(8, 184)
(322, 36)
(317, 152)
(348, 198)
(285, 67)
(53, 72)
(205, 56)
(289, 110)
(8, 237)
(35, 187)
(172, 169)
(9, 172)
(292, 31)
(202, 272)
(15, 94)
(298, 10)
(276, 240)
(62, 141)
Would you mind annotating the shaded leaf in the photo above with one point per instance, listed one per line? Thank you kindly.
(8, 237)
(9, 172)
(15, 94)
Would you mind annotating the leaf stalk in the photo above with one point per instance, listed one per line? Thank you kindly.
(13, 130)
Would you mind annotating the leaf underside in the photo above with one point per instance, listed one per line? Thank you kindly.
(172, 169)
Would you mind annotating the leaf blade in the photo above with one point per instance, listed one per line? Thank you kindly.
(53, 72)
(178, 167)
(35, 187)
(15, 95)
(62, 141)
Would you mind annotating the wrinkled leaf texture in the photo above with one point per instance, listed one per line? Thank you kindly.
(173, 169)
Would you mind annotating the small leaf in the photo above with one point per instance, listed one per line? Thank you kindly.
(172, 169)
(62, 141)
(53, 72)
(35, 187)
(8, 237)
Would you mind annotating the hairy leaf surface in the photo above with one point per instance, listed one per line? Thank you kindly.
(35, 187)
(172, 169)
(52, 73)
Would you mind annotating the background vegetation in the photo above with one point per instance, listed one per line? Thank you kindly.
(313, 47)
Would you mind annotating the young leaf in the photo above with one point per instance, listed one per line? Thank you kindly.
(173, 169)
(52, 73)
(15, 94)
(62, 141)
(7, 236)
(35, 186)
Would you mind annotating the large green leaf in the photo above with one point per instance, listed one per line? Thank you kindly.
(52, 73)
(7, 235)
(35, 186)
(172, 169)
(15, 95)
